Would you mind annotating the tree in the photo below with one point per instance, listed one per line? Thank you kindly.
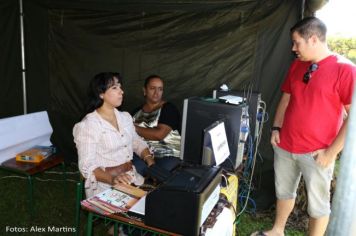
(343, 46)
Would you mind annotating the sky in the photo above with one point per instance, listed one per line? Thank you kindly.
(339, 17)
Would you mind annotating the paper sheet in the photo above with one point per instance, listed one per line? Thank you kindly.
(139, 207)
(232, 99)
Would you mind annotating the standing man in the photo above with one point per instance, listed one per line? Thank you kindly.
(310, 125)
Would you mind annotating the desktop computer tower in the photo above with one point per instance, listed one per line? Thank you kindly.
(253, 100)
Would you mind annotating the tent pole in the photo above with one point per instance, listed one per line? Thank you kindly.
(302, 10)
(23, 66)
(343, 213)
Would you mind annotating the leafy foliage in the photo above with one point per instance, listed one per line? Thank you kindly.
(343, 46)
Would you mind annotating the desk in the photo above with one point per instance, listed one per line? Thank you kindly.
(30, 169)
(224, 224)
(118, 219)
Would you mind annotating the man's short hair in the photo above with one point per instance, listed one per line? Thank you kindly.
(310, 26)
(151, 77)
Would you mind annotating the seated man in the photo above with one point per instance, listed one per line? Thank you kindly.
(158, 122)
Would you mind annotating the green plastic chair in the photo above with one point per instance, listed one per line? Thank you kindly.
(79, 198)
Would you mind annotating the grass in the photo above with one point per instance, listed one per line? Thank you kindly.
(54, 204)
(250, 223)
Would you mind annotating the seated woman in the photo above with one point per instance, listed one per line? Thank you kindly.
(158, 122)
(106, 138)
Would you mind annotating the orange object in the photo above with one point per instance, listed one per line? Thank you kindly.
(35, 154)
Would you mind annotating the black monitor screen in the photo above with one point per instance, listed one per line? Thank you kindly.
(199, 113)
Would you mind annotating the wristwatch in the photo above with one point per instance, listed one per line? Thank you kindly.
(275, 128)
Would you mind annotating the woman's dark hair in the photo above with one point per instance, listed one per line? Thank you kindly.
(98, 85)
(151, 77)
(310, 26)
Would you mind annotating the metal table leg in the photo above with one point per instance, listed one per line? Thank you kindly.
(30, 195)
(90, 224)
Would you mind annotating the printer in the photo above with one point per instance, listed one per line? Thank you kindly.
(183, 202)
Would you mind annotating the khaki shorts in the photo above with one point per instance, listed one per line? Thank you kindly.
(288, 169)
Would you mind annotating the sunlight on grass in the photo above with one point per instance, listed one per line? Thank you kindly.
(249, 224)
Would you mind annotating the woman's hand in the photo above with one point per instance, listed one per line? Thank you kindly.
(122, 178)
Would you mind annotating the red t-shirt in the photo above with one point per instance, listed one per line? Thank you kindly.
(315, 111)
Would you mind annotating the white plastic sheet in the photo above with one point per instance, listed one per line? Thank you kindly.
(20, 133)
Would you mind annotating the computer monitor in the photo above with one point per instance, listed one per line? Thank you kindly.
(215, 145)
(199, 113)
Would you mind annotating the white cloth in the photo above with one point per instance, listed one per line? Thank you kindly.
(99, 144)
(224, 225)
